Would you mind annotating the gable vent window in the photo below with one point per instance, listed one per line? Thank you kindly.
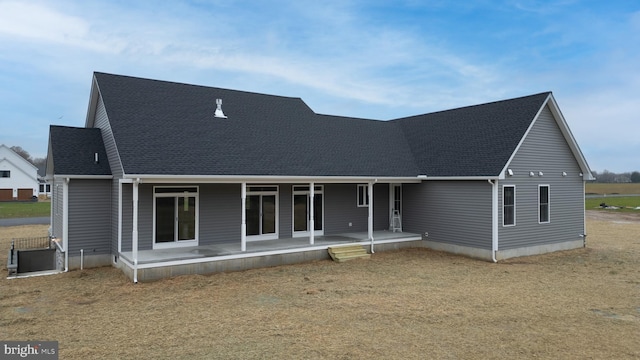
(219, 113)
(5, 173)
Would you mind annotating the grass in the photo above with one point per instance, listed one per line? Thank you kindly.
(606, 188)
(626, 203)
(408, 304)
(24, 209)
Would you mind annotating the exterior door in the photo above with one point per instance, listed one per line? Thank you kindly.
(301, 211)
(261, 209)
(175, 217)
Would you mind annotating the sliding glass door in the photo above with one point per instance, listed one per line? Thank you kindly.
(175, 216)
(262, 212)
(301, 211)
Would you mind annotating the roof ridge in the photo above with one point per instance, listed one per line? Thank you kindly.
(195, 85)
(547, 93)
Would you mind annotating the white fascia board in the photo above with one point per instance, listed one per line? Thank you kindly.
(465, 178)
(566, 132)
(21, 169)
(93, 104)
(526, 133)
(267, 179)
(94, 177)
(568, 135)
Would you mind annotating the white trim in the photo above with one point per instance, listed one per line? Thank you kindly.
(392, 197)
(370, 218)
(134, 231)
(566, 132)
(312, 228)
(94, 177)
(151, 178)
(65, 222)
(548, 204)
(175, 195)
(514, 206)
(495, 189)
(120, 216)
(243, 223)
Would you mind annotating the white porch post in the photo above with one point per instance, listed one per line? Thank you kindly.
(311, 221)
(65, 222)
(134, 232)
(370, 224)
(243, 225)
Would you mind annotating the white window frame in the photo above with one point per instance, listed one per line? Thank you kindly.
(514, 205)
(548, 204)
(256, 189)
(7, 172)
(181, 243)
(362, 195)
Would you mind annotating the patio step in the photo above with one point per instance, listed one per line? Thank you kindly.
(345, 253)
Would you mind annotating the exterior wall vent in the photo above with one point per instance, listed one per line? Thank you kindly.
(219, 113)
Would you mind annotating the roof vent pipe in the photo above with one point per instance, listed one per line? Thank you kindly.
(219, 113)
(95, 158)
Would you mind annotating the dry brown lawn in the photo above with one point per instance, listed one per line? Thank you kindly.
(409, 304)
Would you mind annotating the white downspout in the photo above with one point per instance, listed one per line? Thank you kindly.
(134, 232)
(119, 217)
(65, 222)
(243, 225)
(494, 219)
(312, 226)
(370, 222)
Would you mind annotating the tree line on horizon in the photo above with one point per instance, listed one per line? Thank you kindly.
(607, 176)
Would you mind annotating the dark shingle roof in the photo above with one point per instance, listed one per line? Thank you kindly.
(168, 128)
(73, 150)
(470, 141)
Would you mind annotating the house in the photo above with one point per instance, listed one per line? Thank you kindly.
(169, 178)
(18, 177)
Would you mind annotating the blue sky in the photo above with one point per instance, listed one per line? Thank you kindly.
(372, 59)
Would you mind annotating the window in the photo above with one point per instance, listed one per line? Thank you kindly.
(508, 205)
(363, 195)
(543, 202)
(5, 173)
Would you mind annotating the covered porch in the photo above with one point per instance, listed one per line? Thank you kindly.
(159, 263)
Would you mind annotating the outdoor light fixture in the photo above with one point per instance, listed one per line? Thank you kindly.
(540, 173)
(510, 172)
(531, 173)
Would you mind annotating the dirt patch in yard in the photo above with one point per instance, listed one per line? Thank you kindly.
(409, 304)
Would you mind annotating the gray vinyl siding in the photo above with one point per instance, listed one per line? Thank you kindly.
(286, 210)
(102, 122)
(114, 216)
(544, 150)
(220, 213)
(57, 208)
(89, 220)
(381, 207)
(452, 212)
(127, 213)
(341, 208)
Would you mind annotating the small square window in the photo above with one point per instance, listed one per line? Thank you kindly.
(363, 195)
(5, 173)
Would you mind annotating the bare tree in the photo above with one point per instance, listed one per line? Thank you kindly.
(22, 152)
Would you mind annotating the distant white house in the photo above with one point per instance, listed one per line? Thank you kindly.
(18, 177)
